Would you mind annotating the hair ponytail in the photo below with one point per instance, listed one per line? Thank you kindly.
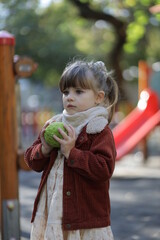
(112, 96)
(105, 82)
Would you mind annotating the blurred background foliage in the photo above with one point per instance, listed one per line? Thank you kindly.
(53, 32)
(120, 33)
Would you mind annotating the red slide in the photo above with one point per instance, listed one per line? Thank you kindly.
(130, 131)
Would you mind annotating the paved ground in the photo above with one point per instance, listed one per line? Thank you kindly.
(135, 199)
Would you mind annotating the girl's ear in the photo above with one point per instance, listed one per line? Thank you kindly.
(100, 97)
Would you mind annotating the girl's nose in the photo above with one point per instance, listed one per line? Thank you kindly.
(70, 97)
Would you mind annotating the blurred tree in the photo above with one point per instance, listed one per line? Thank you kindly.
(131, 21)
(43, 35)
(117, 32)
(52, 36)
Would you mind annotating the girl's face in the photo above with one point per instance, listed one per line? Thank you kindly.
(78, 99)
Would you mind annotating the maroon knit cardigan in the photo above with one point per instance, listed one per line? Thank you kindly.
(87, 172)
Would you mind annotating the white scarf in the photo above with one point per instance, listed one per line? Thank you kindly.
(80, 119)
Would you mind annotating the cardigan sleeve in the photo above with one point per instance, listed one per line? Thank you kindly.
(34, 157)
(98, 162)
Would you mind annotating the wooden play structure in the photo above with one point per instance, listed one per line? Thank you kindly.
(11, 160)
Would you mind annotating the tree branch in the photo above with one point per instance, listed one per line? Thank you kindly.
(87, 12)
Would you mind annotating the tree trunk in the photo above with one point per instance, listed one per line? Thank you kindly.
(87, 12)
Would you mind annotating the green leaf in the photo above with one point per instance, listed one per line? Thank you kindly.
(130, 48)
(145, 2)
(157, 16)
(130, 3)
(135, 31)
(141, 17)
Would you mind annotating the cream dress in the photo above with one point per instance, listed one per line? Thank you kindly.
(48, 221)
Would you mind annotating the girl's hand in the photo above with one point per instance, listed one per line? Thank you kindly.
(68, 141)
(46, 149)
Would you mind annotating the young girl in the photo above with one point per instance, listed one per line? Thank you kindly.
(73, 197)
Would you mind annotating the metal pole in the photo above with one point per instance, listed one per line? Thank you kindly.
(9, 204)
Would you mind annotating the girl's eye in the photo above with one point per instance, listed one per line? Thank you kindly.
(65, 92)
(79, 91)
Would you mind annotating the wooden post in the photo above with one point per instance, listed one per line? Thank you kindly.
(143, 83)
(143, 77)
(9, 205)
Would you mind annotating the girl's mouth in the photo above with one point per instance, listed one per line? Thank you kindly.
(70, 106)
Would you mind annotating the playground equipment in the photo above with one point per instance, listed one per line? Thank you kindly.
(141, 121)
(137, 124)
(11, 160)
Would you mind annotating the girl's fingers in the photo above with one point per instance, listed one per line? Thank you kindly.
(64, 135)
(58, 139)
(46, 124)
(51, 121)
(67, 128)
(70, 130)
